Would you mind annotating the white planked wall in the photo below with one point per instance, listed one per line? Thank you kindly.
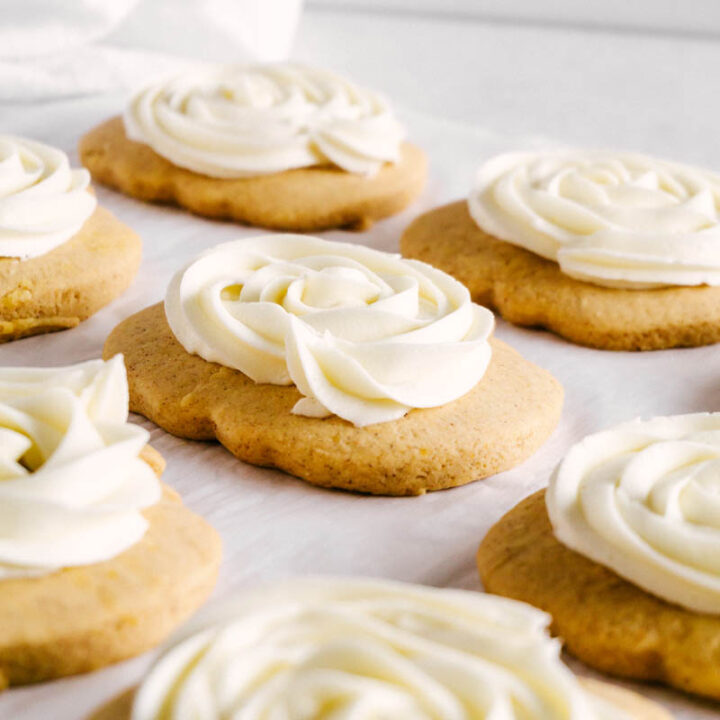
(697, 17)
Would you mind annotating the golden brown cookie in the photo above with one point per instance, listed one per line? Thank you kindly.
(607, 622)
(302, 200)
(82, 618)
(119, 708)
(635, 706)
(62, 288)
(528, 290)
(497, 425)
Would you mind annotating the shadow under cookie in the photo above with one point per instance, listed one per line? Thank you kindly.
(497, 425)
(529, 290)
(305, 199)
(604, 620)
(60, 289)
(82, 618)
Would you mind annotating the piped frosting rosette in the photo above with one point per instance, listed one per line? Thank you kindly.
(643, 499)
(43, 202)
(363, 334)
(72, 485)
(241, 121)
(615, 219)
(363, 650)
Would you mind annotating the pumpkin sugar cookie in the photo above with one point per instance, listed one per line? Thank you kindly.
(62, 257)
(372, 649)
(622, 551)
(342, 365)
(98, 560)
(279, 146)
(616, 251)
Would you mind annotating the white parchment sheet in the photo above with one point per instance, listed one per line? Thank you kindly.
(274, 525)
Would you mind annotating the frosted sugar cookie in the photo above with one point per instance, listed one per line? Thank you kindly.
(62, 257)
(618, 251)
(98, 560)
(279, 146)
(371, 649)
(343, 365)
(623, 550)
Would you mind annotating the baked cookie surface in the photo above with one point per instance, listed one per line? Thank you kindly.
(65, 286)
(633, 705)
(82, 618)
(305, 199)
(604, 620)
(528, 290)
(495, 426)
(372, 649)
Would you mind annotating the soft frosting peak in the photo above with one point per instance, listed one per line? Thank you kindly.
(366, 650)
(72, 485)
(43, 202)
(240, 121)
(363, 334)
(615, 219)
(643, 499)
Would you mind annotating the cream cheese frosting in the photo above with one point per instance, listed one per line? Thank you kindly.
(336, 649)
(363, 334)
(643, 499)
(72, 485)
(248, 120)
(43, 202)
(616, 219)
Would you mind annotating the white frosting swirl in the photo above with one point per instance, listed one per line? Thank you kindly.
(615, 219)
(643, 499)
(43, 203)
(363, 334)
(241, 121)
(367, 650)
(72, 486)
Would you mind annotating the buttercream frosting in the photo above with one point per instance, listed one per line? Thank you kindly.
(43, 202)
(72, 485)
(643, 499)
(242, 121)
(366, 650)
(616, 219)
(363, 334)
